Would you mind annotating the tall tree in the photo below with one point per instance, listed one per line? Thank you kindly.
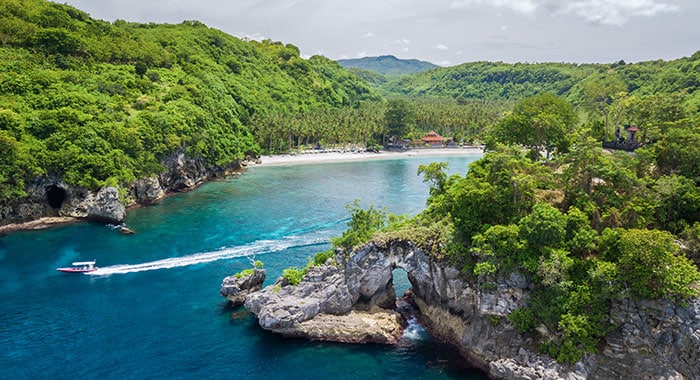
(400, 117)
(542, 123)
(598, 95)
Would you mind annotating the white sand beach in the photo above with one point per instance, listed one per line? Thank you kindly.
(338, 156)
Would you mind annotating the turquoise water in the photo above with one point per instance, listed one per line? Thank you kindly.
(153, 310)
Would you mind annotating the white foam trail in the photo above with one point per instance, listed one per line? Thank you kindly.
(256, 247)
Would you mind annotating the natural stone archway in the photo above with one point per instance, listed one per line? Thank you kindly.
(55, 196)
(369, 272)
(472, 315)
(358, 281)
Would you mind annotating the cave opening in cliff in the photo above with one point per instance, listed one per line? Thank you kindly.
(55, 196)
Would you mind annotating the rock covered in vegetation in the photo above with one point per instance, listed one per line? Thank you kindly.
(654, 339)
(236, 288)
(49, 197)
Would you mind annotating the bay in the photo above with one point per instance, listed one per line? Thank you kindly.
(153, 309)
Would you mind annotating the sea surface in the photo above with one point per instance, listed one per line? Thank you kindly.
(153, 309)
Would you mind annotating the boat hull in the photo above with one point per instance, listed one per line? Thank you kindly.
(75, 270)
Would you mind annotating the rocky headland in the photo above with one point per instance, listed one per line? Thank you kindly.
(51, 201)
(351, 298)
(236, 288)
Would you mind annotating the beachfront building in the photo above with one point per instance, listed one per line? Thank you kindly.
(433, 140)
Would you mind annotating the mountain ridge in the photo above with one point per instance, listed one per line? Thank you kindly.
(388, 65)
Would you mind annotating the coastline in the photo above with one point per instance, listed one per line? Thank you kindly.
(319, 157)
(38, 224)
(309, 157)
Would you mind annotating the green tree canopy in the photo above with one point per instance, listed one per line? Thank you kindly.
(543, 123)
(400, 117)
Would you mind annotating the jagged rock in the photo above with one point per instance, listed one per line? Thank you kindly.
(235, 289)
(106, 207)
(50, 198)
(320, 308)
(655, 339)
(183, 173)
(322, 291)
(148, 190)
(377, 326)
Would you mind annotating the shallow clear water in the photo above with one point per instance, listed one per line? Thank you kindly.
(153, 310)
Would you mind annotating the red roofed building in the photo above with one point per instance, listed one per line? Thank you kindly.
(433, 139)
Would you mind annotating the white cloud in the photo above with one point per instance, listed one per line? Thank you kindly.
(522, 6)
(612, 12)
(499, 30)
(441, 47)
(615, 12)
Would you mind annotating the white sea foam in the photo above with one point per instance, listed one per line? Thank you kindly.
(414, 331)
(254, 248)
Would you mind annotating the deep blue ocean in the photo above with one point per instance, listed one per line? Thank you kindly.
(154, 310)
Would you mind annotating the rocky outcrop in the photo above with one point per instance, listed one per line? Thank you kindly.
(321, 308)
(655, 340)
(236, 288)
(49, 197)
(54, 200)
(281, 306)
(357, 326)
(148, 190)
(184, 173)
(106, 207)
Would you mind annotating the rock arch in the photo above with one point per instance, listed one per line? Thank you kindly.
(369, 273)
(473, 316)
(358, 281)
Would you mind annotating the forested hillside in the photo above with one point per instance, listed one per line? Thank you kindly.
(586, 227)
(495, 80)
(651, 95)
(388, 65)
(100, 103)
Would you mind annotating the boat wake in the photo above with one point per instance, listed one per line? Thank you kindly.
(254, 248)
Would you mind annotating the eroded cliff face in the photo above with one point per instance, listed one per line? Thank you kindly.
(655, 340)
(50, 197)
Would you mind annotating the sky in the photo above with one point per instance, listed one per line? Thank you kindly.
(444, 32)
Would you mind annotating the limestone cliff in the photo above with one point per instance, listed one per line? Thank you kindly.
(654, 340)
(51, 197)
(236, 288)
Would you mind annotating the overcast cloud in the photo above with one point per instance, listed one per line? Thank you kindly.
(445, 32)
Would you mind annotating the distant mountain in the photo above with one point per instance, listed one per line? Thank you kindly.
(388, 65)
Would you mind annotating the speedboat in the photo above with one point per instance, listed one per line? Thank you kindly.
(79, 267)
